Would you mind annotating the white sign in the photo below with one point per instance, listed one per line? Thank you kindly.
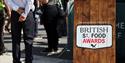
(94, 36)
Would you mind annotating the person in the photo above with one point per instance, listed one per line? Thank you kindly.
(68, 49)
(36, 4)
(8, 21)
(50, 23)
(2, 47)
(62, 25)
(69, 46)
(22, 18)
(8, 14)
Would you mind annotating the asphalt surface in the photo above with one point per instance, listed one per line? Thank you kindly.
(64, 56)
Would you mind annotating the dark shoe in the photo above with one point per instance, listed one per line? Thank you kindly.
(3, 51)
(7, 29)
(55, 50)
(60, 36)
(16, 61)
(28, 61)
(47, 50)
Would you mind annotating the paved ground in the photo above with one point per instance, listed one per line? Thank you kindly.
(65, 56)
(7, 58)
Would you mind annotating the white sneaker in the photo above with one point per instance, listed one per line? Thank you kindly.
(37, 38)
(54, 52)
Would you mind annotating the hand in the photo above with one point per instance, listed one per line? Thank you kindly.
(20, 10)
(9, 13)
(45, 1)
(22, 18)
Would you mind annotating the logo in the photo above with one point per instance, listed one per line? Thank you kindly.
(94, 36)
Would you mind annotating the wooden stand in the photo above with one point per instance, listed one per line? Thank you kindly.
(94, 12)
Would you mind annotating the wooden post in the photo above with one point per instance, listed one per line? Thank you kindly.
(94, 12)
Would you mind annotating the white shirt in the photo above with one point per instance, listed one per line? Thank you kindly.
(26, 4)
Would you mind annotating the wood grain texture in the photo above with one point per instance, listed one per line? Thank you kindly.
(94, 12)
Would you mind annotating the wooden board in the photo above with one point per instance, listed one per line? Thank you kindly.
(94, 12)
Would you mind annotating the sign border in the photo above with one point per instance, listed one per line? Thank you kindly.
(92, 24)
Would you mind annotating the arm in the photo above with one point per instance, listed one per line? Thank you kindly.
(45, 1)
(28, 7)
(38, 3)
(8, 9)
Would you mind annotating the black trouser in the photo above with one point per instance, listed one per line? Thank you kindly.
(50, 24)
(62, 26)
(36, 25)
(28, 35)
(1, 30)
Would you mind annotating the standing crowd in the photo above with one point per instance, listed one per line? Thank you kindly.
(22, 17)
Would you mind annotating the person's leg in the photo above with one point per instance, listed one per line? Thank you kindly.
(46, 19)
(36, 25)
(52, 27)
(28, 29)
(7, 25)
(46, 26)
(16, 36)
(54, 36)
(36, 28)
(2, 47)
